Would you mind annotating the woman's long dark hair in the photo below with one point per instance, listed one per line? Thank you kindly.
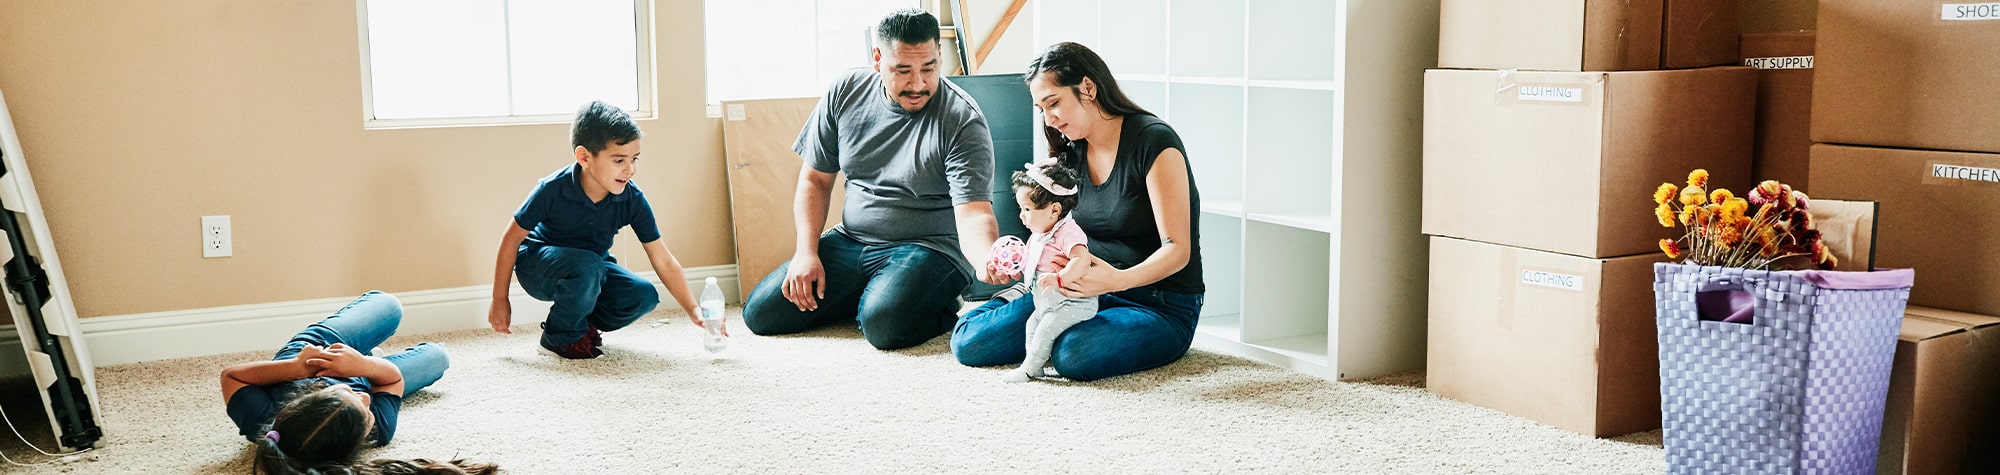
(1069, 63)
(319, 433)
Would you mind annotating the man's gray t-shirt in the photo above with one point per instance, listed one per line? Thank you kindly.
(905, 170)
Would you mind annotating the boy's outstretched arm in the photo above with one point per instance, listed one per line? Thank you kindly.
(501, 313)
(668, 268)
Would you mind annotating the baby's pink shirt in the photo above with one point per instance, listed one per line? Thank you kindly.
(1060, 240)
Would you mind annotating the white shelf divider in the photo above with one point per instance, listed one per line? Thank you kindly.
(1316, 85)
(1315, 219)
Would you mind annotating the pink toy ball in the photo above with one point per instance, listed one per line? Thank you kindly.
(1007, 254)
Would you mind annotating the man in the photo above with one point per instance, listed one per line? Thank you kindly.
(919, 163)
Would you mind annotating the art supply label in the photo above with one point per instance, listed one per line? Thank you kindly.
(1780, 62)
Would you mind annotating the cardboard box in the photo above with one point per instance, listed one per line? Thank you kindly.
(1586, 35)
(1940, 215)
(1766, 16)
(1783, 142)
(1943, 413)
(1567, 162)
(1699, 33)
(1902, 73)
(1566, 341)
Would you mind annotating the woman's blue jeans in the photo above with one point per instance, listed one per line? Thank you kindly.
(901, 294)
(364, 324)
(1134, 330)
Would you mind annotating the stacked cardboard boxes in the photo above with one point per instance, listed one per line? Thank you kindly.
(1546, 129)
(1905, 113)
(1784, 64)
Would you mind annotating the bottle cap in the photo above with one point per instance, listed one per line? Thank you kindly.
(711, 280)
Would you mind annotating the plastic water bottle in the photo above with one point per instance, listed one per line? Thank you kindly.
(711, 318)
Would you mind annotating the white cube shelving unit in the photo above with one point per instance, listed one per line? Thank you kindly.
(1302, 121)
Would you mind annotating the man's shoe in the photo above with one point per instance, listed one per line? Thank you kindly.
(596, 337)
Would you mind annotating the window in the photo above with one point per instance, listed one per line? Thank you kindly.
(787, 48)
(469, 62)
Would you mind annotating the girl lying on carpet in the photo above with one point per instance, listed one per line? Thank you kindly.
(1047, 193)
(314, 405)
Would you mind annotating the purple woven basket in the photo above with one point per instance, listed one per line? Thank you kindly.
(1799, 389)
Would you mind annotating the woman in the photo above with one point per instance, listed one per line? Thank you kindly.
(1138, 209)
(314, 405)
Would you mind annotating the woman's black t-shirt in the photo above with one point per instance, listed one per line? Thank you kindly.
(1118, 214)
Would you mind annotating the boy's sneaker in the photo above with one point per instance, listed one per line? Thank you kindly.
(596, 337)
(581, 349)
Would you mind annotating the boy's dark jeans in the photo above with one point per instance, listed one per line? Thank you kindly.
(586, 287)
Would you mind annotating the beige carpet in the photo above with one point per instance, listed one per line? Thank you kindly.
(827, 402)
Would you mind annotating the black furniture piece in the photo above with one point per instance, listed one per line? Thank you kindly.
(1010, 115)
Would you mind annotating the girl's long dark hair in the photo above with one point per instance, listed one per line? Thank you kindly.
(318, 433)
(1069, 63)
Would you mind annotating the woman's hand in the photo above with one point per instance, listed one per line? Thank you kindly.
(1084, 275)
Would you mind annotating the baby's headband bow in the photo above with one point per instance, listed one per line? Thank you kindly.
(1035, 172)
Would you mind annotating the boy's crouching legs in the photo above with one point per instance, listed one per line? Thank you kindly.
(624, 299)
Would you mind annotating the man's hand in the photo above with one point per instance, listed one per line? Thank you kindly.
(501, 315)
(993, 274)
(805, 283)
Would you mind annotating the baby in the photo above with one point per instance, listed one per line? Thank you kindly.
(1047, 193)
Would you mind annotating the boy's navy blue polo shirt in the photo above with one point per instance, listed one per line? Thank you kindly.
(558, 213)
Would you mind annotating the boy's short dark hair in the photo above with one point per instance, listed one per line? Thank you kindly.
(908, 26)
(598, 125)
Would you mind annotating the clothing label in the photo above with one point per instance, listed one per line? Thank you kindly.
(1549, 94)
(1552, 280)
(735, 112)
(1780, 62)
(1957, 172)
(1972, 11)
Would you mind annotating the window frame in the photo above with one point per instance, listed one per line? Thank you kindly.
(647, 81)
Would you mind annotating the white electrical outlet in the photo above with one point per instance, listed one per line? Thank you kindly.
(215, 236)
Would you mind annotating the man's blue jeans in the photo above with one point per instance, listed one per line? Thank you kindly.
(901, 294)
(587, 288)
(1135, 330)
(364, 324)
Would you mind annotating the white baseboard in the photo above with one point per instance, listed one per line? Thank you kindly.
(120, 339)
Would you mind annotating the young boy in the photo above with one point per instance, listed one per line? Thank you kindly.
(568, 223)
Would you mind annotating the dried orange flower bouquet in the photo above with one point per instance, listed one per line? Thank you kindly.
(1722, 231)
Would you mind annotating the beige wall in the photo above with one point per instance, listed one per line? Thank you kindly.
(138, 117)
